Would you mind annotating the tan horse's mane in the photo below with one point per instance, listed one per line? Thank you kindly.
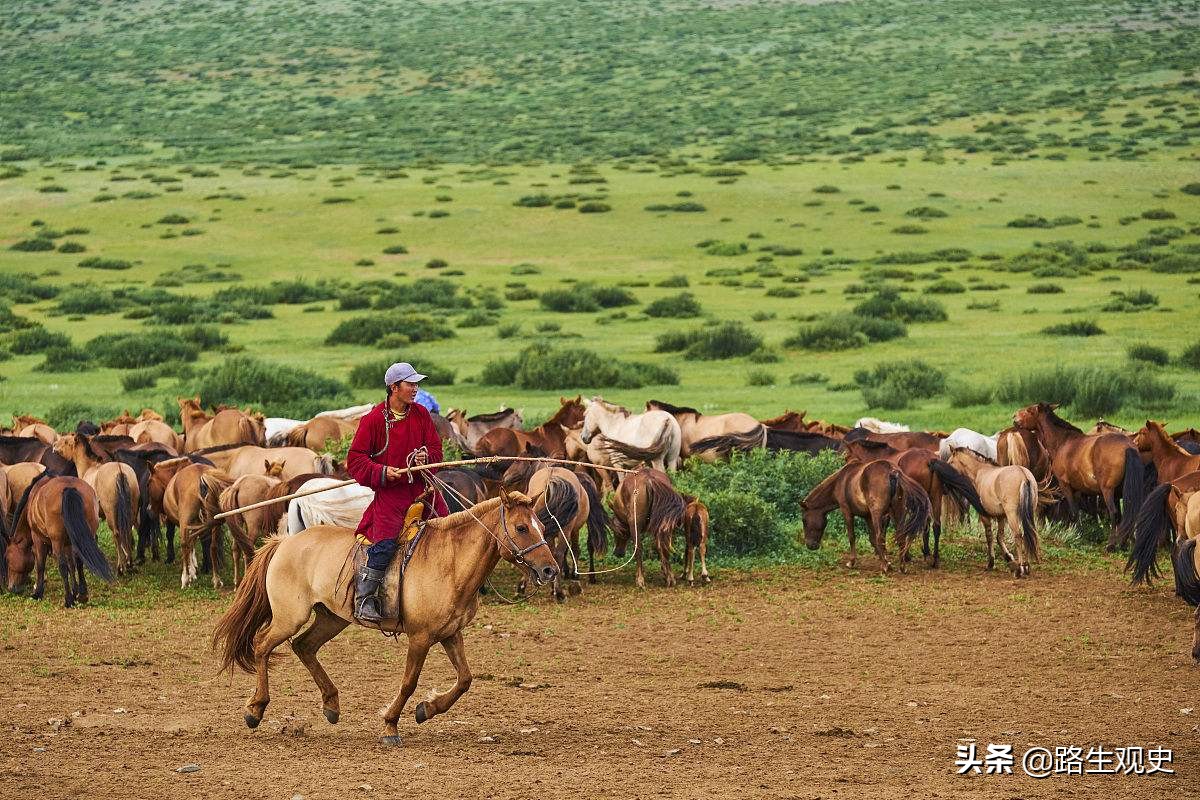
(470, 514)
(978, 455)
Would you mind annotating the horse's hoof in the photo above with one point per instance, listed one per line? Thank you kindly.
(422, 712)
(574, 588)
(706, 580)
(391, 741)
(331, 716)
(252, 721)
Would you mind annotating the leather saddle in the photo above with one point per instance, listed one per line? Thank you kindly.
(393, 580)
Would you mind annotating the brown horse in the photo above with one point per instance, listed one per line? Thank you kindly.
(695, 533)
(318, 432)
(646, 502)
(902, 440)
(876, 491)
(116, 487)
(227, 426)
(18, 478)
(1170, 460)
(1104, 464)
(1164, 512)
(790, 421)
(248, 527)
(548, 437)
(1007, 494)
(933, 475)
(184, 504)
(292, 577)
(733, 431)
(1019, 447)
(594, 452)
(56, 515)
(472, 429)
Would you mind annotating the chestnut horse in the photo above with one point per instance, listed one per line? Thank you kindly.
(116, 486)
(548, 437)
(1163, 512)
(876, 491)
(1107, 464)
(472, 429)
(318, 431)
(56, 515)
(646, 502)
(901, 440)
(1170, 460)
(695, 534)
(293, 577)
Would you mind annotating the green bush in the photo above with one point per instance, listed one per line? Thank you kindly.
(945, 287)
(964, 393)
(136, 350)
(1078, 327)
(430, 294)
(594, 207)
(371, 331)
(583, 297)
(925, 212)
(173, 219)
(286, 391)
(727, 340)
(1190, 188)
(683, 304)
(760, 377)
(1149, 353)
(889, 304)
(37, 340)
(369, 375)
(1044, 288)
(673, 282)
(543, 367)
(139, 379)
(845, 332)
(1137, 300)
(353, 301)
(72, 247)
(1158, 213)
(111, 264)
(395, 250)
(534, 201)
(1190, 357)
(910, 229)
(477, 319)
(1089, 391)
(38, 245)
(23, 287)
(894, 384)
(65, 416)
(65, 359)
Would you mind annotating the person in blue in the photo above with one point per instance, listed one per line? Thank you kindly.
(429, 401)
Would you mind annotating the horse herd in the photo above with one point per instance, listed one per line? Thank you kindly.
(142, 476)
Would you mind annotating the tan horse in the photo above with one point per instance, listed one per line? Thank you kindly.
(156, 431)
(1019, 447)
(26, 425)
(116, 486)
(248, 527)
(472, 429)
(318, 431)
(239, 460)
(594, 452)
(1170, 460)
(185, 505)
(1091, 465)
(695, 532)
(1008, 494)
(18, 478)
(227, 426)
(292, 577)
(646, 502)
(733, 431)
(118, 426)
(56, 515)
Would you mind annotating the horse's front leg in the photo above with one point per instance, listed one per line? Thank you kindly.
(1196, 637)
(417, 650)
(440, 703)
(879, 537)
(849, 517)
(640, 577)
(39, 561)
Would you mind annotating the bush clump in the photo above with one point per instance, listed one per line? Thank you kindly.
(1044, 288)
(895, 384)
(585, 297)
(369, 375)
(683, 304)
(288, 391)
(37, 340)
(1078, 327)
(1190, 357)
(389, 331)
(65, 359)
(541, 366)
(1148, 353)
(727, 340)
(1137, 300)
(1089, 391)
(36, 245)
(845, 332)
(137, 350)
(112, 264)
(889, 304)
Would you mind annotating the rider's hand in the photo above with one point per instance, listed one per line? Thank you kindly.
(395, 473)
(420, 458)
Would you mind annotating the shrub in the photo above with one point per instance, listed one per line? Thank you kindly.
(683, 304)
(594, 207)
(910, 229)
(945, 287)
(38, 245)
(1149, 353)
(395, 250)
(965, 393)
(72, 247)
(826, 189)
(1190, 357)
(1078, 327)
(845, 332)
(759, 377)
(534, 201)
(369, 375)
(889, 304)
(585, 297)
(727, 340)
(1044, 288)
(1089, 391)
(139, 379)
(1158, 213)
(436, 263)
(1029, 221)
(65, 416)
(508, 330)
(206, 337)
(65, 359)
(894, 384)
(173, 219)
(354, 301)
(543, 367)
(95, 262)
(37, 340)
(518, 293)
(291, 292)
(88, 300)
(136, 350)
(687, 207)
(289, 391)
(925, 212)
(23, 287)
(1176, 264)
(1190, 188)
(371, 331)
(1138, 300)
(429, 293)
(477, 319)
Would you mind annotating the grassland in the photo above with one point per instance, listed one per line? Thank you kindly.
(812, 138)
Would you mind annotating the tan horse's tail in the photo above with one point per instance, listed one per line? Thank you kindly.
(237, 628)
(297, 436)
(1025, 506)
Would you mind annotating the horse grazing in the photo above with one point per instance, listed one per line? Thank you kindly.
(695, 533)
(56, 515)
(646, 502)
(801, 441)
(227, 426)
(1164, 512)
(876, 491)
(116, 486)
(472, 429)
(1171, 461)
(318, 431)
(651, 438)
(932, 474)
(291, 578)
(1101, 464)
(1008, 494)
(901, 440)
(549, 437)
(734, 430)
(965, 437)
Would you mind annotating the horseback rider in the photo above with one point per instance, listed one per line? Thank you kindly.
(395, 434)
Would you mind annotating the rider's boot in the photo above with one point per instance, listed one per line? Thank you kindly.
(366, 593)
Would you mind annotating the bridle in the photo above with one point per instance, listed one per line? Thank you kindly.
(518, 554)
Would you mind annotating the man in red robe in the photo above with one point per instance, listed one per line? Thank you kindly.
(395, 434)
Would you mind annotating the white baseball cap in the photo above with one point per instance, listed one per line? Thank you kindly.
(402, 371)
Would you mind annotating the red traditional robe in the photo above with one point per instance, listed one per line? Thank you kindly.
(384, 518)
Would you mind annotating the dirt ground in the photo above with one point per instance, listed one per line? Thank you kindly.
(838, 684)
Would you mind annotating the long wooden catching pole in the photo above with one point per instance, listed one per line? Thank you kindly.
(421, 468)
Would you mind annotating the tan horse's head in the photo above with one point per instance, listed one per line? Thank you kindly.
(274, 468)
(522, 539)
(65, 446)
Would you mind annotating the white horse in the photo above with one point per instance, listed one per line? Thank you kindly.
(653, 437)
(343, 506)
(276, 429)
(972, 440)
(879, 426)
(350, 414)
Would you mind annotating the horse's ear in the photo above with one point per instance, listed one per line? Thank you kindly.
(267, 464)
(505, 497)
(1053, 406)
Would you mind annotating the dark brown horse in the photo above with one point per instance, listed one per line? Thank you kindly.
(646, 502)
(1107, 464)
(1170, 460)
(904, 440)
(1188, 439)
(15, 449)
(876, 491)
(936, 477)
(56, 515)
(547, 437)
(801, 441)
(1161, 517)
